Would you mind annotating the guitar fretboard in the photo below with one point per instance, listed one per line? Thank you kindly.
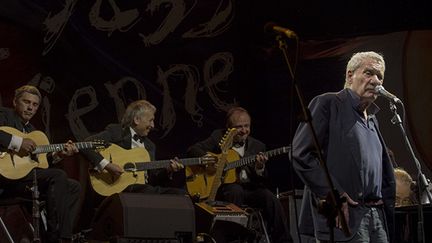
(252, 158)
(59, 147)
(140, 166)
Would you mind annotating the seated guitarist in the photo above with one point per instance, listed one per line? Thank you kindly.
(136, 124)
(61, 194)
(248, 190)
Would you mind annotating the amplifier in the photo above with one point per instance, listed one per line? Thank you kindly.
(142, 216)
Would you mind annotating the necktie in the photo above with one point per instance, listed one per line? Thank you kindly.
(138, 138)
(26, 128)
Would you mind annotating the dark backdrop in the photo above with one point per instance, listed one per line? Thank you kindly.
(194, 59)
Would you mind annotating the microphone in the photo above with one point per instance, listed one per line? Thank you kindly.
(272, 27)
(379, 89)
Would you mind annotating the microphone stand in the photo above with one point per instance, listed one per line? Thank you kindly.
(422, 181)
(331, 206)
(35, 208)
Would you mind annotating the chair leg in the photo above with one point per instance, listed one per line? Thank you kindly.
(6, 231)
(43, 215)
(264, 228)
(257, 224)
(14, 223)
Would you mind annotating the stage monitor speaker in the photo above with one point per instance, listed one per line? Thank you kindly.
(291, 202)
(135, 240)
(14, 224)
(141, 216)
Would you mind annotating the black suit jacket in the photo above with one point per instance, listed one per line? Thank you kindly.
(333, 119)
(114, 133)
(211, 144)
(8, 117)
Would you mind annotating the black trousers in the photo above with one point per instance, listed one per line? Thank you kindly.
(60, 193)
(259, 197)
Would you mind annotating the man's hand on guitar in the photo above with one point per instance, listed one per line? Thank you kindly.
(261, 159)
(27, 146)
(209, 159)
(175, 165)
(68, 150)
(114, 169)
(211, 166)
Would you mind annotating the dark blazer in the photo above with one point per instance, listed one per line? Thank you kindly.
(333, 119)
(114, 133)
(8, 117)
(211, 144)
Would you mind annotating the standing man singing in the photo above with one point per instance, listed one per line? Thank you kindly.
(356, 157)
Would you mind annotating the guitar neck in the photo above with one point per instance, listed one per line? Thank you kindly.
(139, 166)
(60, 146)
(252, 158)
(218, 177)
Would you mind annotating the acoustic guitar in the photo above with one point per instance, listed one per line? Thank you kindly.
(132, 161)
(224, 144)
(14, 165)
(211, 210)
(199, 181)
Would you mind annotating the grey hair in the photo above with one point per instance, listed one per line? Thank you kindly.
(357, 60)
(27, 89)
(136, 109)
(403, 176)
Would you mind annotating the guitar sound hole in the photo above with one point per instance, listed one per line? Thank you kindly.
(34, 157)
(129, 167)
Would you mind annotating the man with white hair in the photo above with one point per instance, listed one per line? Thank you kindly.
(355, 154)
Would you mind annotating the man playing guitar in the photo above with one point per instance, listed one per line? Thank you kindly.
(248, 188)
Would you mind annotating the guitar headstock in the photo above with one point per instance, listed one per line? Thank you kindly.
(227, 140)
(100, 144)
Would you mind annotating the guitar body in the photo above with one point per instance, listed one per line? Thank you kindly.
(199, 182)
(15, 166)
(230, 176)
(104, 183)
